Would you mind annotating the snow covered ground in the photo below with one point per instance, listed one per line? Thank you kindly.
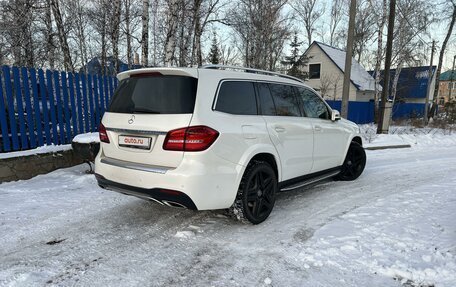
(394, 226)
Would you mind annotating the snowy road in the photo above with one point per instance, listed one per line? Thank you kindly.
(394, 226)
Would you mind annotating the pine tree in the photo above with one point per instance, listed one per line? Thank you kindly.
(296, 61)
(214, 54)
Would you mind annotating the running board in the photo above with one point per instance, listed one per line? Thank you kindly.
(308, 179)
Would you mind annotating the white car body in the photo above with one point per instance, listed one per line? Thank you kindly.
(210, 179)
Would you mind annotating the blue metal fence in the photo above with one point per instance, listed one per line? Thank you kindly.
(363, 112)
(49, 107)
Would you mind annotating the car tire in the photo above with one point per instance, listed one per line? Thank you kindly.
(256, 195)
(354, 163)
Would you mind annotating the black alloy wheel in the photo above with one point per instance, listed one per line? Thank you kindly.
(256, 195)
(354, 163)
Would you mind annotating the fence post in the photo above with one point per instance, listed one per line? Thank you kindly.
(58, 96)
(101, 97)
(53, 119)
(79, 102)
(91, 99)
(66, 108)
(97, 102)
(36, 106)
(44, 107)
(28, 107)
(3, 123)
(20, 107)
(84, 102)
(12, 117)
(74, 118)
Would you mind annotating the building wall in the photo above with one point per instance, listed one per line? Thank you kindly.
(365, 96)
(444, 92)
(330, 84)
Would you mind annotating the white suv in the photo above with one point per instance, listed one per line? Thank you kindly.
(220, 137)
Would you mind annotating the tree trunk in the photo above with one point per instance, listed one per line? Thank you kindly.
(389, 47)
(80, 34)
(68, 64)
(145, 34)
(115, 34)
(378, 63)
(196, 32)
(170, 42)
(442, 53)
(128, 33)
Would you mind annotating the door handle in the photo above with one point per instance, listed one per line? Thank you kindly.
(279, 129)
(317, 128)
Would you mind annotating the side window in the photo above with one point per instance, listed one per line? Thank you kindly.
(313, 106)
(285, 100)
(266, 102)
(237, 97)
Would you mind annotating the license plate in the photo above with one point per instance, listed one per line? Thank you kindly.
(135, 142)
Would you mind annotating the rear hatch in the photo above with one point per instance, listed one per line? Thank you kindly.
(146, 105)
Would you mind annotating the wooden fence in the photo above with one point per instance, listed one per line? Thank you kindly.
(40, 107)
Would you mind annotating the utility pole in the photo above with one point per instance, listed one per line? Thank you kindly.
(428, 92)
(450, 95)
(383, 128)
(348, 60)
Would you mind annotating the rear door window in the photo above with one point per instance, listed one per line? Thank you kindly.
(266, 102)
(285, 100)
(155, 95)
(237, 97)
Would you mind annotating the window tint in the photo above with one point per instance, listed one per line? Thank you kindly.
(266, 102)
(285, 100)
(237, 97)
(155, 95)
(314, 71)
(313, 106)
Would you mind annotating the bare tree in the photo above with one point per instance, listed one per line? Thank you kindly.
(309, 12)
(79, 21)
(364, 28)
(115, 34)
(171, 39)
(67, 62)
(261, 28)
(381, 21)
(145, 34)
(452, 4)
(337, 13)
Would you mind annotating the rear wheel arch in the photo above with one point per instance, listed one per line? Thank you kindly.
(268, 158)
(358, 140)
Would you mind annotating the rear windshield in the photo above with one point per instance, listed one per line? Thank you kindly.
(155, 95)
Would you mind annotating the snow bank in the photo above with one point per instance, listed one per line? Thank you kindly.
(416, 137)
(39, 150)
(87, 138)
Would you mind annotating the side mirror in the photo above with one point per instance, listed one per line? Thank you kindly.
(335, 115)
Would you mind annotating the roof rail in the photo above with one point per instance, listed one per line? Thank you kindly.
(250, 70)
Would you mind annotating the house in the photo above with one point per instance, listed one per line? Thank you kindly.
(326, 74)
(447, 87)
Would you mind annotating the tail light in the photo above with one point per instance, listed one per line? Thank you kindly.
(196, 138)
(103, 134)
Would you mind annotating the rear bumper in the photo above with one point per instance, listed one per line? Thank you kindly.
(162, 196)
(202, 181)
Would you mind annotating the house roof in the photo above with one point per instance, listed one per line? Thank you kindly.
(448, 76)
(359, 77)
